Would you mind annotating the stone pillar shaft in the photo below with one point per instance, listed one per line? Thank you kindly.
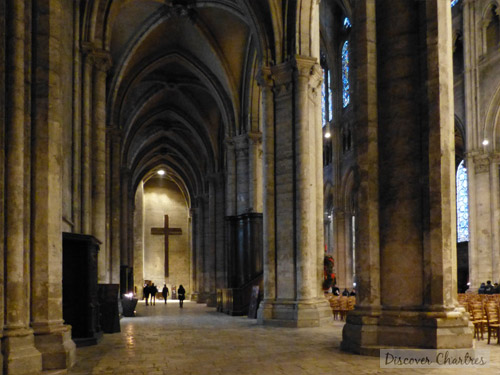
(19, 353)
(115, 208)
(230, 178)
(305, 144)
(242, 180)
(292, 259)
(255, 172)
(200, 248)
(138, 220)
(415, 211)
(210, 236)
(220, 258)
(77, 124)
(86, 187)
(125, 213)
(99, 162)
(269, 223)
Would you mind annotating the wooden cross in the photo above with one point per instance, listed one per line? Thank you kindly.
(166, 231)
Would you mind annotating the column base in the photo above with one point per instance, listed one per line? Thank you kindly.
(194, 296)
(211, 300)
(297, 314)
(20, 355)
(202, 297)
(366, 332)
(55, 344)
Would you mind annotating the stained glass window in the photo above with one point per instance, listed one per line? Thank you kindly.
(330, 97)
(454, 2)
(326, 98)
(347, 22)
(345, 75)
(323, 102)
(462, 204)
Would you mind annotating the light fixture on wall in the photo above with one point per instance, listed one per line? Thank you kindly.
(486, 142)
(161, 172)
(328, 134)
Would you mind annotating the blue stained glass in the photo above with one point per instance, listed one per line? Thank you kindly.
(454, 2)
(330, 99)
(345, 75)
(347, 22)
(462, 204)
(323, 100)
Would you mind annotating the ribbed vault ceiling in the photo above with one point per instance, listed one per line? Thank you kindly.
(179, 70)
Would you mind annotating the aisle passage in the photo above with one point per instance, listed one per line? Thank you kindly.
(196, 340)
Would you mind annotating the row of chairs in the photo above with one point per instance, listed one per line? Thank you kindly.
(340, 305)
(483, 312)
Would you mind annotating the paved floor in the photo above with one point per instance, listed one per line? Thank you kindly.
(196, 340)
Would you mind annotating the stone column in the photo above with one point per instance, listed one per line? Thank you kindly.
(269, 223)
(230, 177)
(102, 63)
(413, 166)
(77, 123)
(200, 249)
(210, 252)
(18, 348)
(192, 252)
(52, 337)
(255, 172)
(242, 181)
(116, 202)
(86, 131)
(340, 249)
(139, 240)
(220, 258)
(290, 141)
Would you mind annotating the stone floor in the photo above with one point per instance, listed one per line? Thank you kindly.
(165, 339)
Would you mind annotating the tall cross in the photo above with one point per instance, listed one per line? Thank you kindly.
(166, 231)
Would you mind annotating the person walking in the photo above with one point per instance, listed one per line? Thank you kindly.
(153, 292)
(181, 293)
(165, 292)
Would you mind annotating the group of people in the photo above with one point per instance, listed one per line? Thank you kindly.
(345, 292)
(488, 288)
(149, 293)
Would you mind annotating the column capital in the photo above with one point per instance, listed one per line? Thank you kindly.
(101, 60)
(307, 68)
(264, 78)
(282, 78)
(229, 143)
(255, 138)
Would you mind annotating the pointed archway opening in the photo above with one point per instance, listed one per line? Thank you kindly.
(156, 197)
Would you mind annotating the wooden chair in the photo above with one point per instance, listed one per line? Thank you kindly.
(335, 306)
(343, 307)
(351, 302)
(477, 318)
(492, 321)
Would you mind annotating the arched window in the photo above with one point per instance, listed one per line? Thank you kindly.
(454, 2)
(462, 204)
(326, 94)
(347, 23)
(346, 98)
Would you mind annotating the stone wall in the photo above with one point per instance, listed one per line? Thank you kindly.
(163, 197)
